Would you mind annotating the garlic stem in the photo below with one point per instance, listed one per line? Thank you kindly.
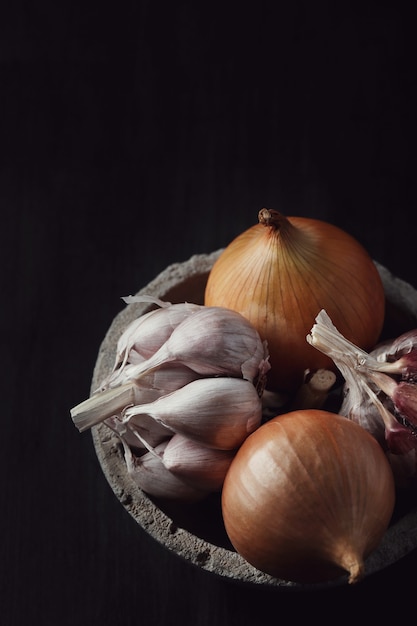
(325, 337)
(314, 390)
(103, 405)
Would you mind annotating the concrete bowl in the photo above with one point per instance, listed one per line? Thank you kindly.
(195, 532)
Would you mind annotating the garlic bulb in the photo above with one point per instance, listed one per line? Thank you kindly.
(196, 464)
(184, 392)
(373, 396)
(308, 497)
(281, 272)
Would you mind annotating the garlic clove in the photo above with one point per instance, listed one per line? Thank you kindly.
(360, 407)
(405, 400)
(197, 464)
(164, 379)
(127, 338)
(212, 341)
(399, 356)
(150, 474)
(218, 412)
(403, 394)
(145, 335)
(400, 439)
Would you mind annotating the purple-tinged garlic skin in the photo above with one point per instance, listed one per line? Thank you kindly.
(380, 391)
(398, 357)
(403, 394)
(405, 401)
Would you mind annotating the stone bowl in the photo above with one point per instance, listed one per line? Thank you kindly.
(195, 532)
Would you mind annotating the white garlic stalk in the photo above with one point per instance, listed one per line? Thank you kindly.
(110, 402)
(103, 405)
(372, 398)
(217, 412)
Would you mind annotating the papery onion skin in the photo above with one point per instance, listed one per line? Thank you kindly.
(280, 273)
(308, 496)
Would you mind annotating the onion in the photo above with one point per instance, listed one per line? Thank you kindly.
(308, 496)
(281, 272)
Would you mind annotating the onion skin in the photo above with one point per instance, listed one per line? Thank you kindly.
(308, 497)
(281, 272)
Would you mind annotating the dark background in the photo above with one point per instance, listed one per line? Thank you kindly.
(133, 136)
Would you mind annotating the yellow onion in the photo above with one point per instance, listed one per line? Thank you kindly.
(308, 496)
(281, 272)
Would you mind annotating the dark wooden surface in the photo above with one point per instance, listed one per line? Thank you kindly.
(132, 137)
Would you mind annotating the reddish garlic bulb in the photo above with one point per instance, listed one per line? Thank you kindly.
(281, 272)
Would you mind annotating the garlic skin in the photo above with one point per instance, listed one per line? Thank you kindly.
(217, 412)
(281, 272)
(145, 335)
(358, 406)
(212, 341)
(198, 465)
(150, 474)
(387, 408)
(164, 379)
(399, 356)
(149, 435)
